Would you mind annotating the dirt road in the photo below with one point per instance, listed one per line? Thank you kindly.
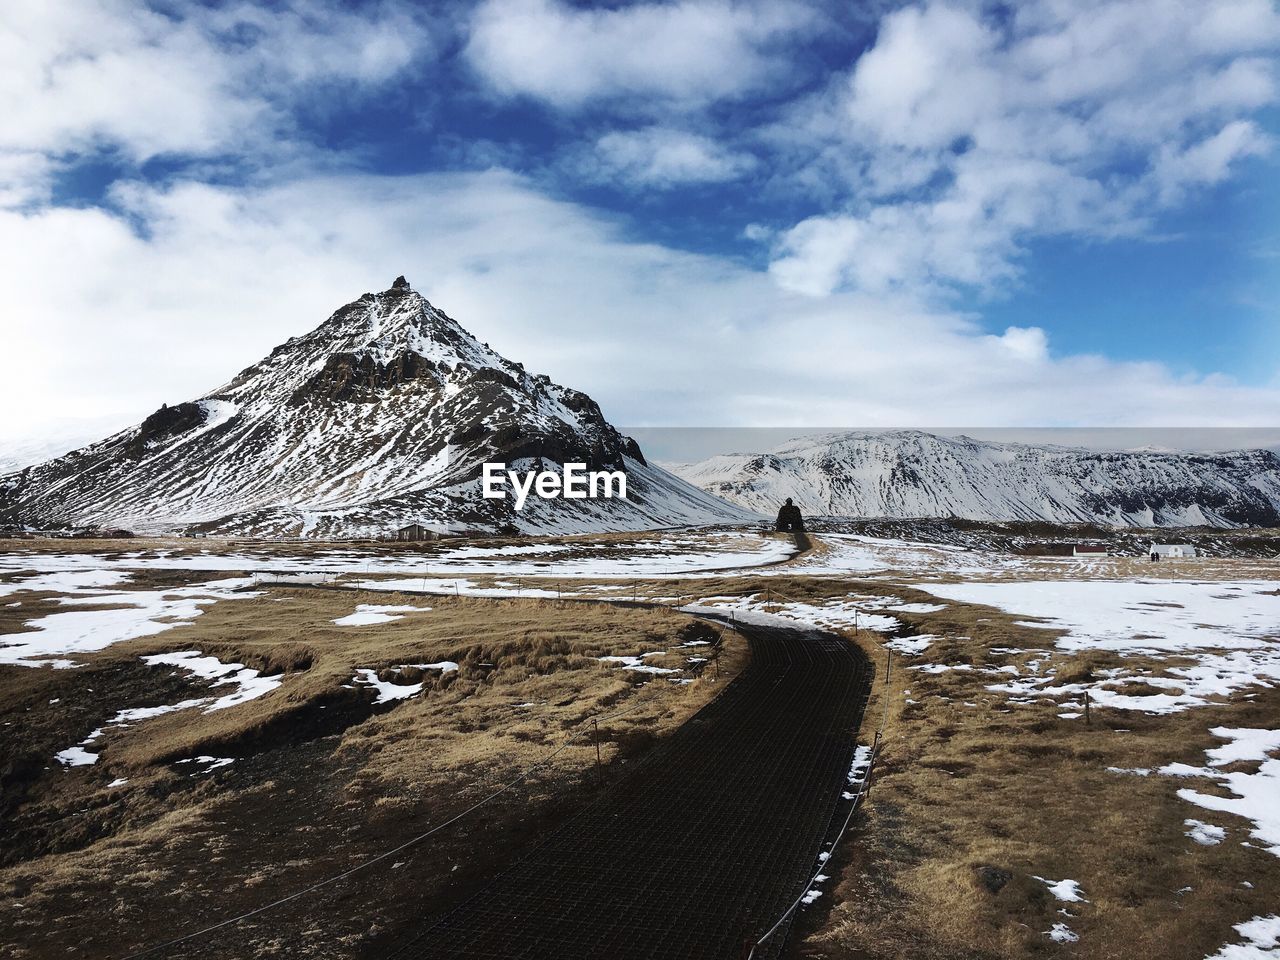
(698, 850)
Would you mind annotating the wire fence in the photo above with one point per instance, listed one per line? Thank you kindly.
(588, 725)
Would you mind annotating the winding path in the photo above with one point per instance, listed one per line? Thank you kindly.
(698, 850)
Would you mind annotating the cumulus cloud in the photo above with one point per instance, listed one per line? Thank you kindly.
(662, 157)
(959, 136)
(87, 76)
(690, 52)
(930, 162)
(115, 321)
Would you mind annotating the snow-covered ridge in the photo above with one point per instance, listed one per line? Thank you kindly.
(912, 474)
(378, 418)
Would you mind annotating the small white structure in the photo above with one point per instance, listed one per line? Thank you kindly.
(1089, 550)
(1169, 551)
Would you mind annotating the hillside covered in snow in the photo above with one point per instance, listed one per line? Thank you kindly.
(912, 474)
(380, 417)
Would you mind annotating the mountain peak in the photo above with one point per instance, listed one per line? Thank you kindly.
(400, 283)
(382, 415)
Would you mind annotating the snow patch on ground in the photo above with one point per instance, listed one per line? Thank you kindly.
(1136, 615)
(71, 581)
(138, 613)
(637, 663)
(911, 646)
(1261, 941)
(1205, 834)
(367, 614)
(858, 771)
(386, 690)
(210, 764)
(389, 691)
(847, 612)
(249, 685)
(1068, 891)
(1061, 933)
(76, 757)
(1257, 795)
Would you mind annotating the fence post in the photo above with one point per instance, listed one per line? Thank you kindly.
(595, 723)
(1087, 719)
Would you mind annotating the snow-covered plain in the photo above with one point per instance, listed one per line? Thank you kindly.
(862, 555)
(1225, 635)
(1136, 615)
(672, 554)
(855, 611)
(64, 582)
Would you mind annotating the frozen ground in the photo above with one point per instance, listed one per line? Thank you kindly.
(1200, 634)
(688, 552)
(53, 638)
(1136, 615)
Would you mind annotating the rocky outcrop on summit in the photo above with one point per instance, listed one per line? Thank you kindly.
(380, 417)
(911, 474)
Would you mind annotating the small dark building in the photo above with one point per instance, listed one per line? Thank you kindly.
(789, 519)
(413, 533)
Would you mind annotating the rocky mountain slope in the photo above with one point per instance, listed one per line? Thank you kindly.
(908, 474)
(380, 417)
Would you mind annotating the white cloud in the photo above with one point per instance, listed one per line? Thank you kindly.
(935, 158)
(110, 322)
(1208, 161)
(1030, 344)
(87, 75)
(690, 52)
(958, 137)
(663, 157)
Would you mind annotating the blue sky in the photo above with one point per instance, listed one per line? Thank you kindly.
(703, 212)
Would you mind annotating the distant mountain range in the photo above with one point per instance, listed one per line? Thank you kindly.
(380, 417)
(911, 474)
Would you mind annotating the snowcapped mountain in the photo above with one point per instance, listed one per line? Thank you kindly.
(380, 417)
(911, 474)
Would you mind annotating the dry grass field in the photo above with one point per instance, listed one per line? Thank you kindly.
(984, 800)
(322, 775)
(977, 798)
